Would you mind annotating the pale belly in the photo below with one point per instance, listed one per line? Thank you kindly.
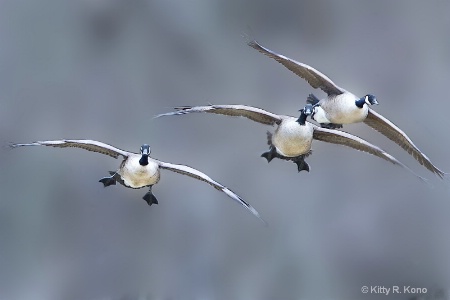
(341, 110)
(136, 176)
(292, 139)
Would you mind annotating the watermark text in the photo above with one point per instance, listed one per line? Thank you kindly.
(394, 289)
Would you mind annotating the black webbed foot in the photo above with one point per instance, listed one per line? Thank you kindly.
(331, 125)
(150, 198)
(269, 155)
(302, 165)
(107, 181)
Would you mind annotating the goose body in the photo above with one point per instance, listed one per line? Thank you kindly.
(139, 170)
(136, 176)
(339, 109)
(293, 137)
(342, 107)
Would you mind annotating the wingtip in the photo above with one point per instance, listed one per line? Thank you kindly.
(265, 223)
(254, 44)
(11, 145)
(179, 110)
(250, 40)
(444, 175)
(248, 34)
(255, 212)
(173, 113)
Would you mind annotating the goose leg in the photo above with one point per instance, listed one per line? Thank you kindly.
(150, 198)
(272, 153)
(107, 181)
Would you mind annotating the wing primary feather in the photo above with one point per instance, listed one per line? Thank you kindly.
(357, 143)
(89, 145)
(253, 113)
(194, 173)
(395, 134)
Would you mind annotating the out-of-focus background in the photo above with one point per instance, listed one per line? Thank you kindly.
(101, 69)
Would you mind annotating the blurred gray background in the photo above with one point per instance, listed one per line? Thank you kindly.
(101, 69)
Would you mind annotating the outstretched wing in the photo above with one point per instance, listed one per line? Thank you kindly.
(349, 140)
(253, 113)
(395, 134)
(315, 78)
(185, 170)
(89, 145)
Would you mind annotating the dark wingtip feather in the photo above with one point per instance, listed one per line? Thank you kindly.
(443, 175)
(251, 41)
(11, 145)
(183, 107)
(179, 110)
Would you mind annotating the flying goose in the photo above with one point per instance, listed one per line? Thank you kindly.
(342, 107)
(293, 136)
(139, 170)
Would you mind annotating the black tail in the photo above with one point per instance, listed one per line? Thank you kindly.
(311, 99)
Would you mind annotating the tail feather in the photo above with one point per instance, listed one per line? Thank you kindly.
(311, 99)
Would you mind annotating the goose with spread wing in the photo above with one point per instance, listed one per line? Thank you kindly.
(293, 137)
(139, 170)
(342, 107)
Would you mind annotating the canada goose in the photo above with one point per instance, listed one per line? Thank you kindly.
(139, 170)
(293, 136)
(342, 107)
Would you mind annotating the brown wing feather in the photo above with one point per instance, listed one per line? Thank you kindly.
(352, 141)
(315, 78)
(253, 113)
(194, 173)
(89, 145)
(395, 134)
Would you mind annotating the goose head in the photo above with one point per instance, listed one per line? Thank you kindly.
(368, 99)
(145, 152)
(304, 113)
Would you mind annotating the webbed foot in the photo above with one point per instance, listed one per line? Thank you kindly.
(269, 155)
(107, 181)
(150, 198)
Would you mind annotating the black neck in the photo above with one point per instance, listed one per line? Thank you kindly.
(302, 119)
(144, 160)
(360, 102)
